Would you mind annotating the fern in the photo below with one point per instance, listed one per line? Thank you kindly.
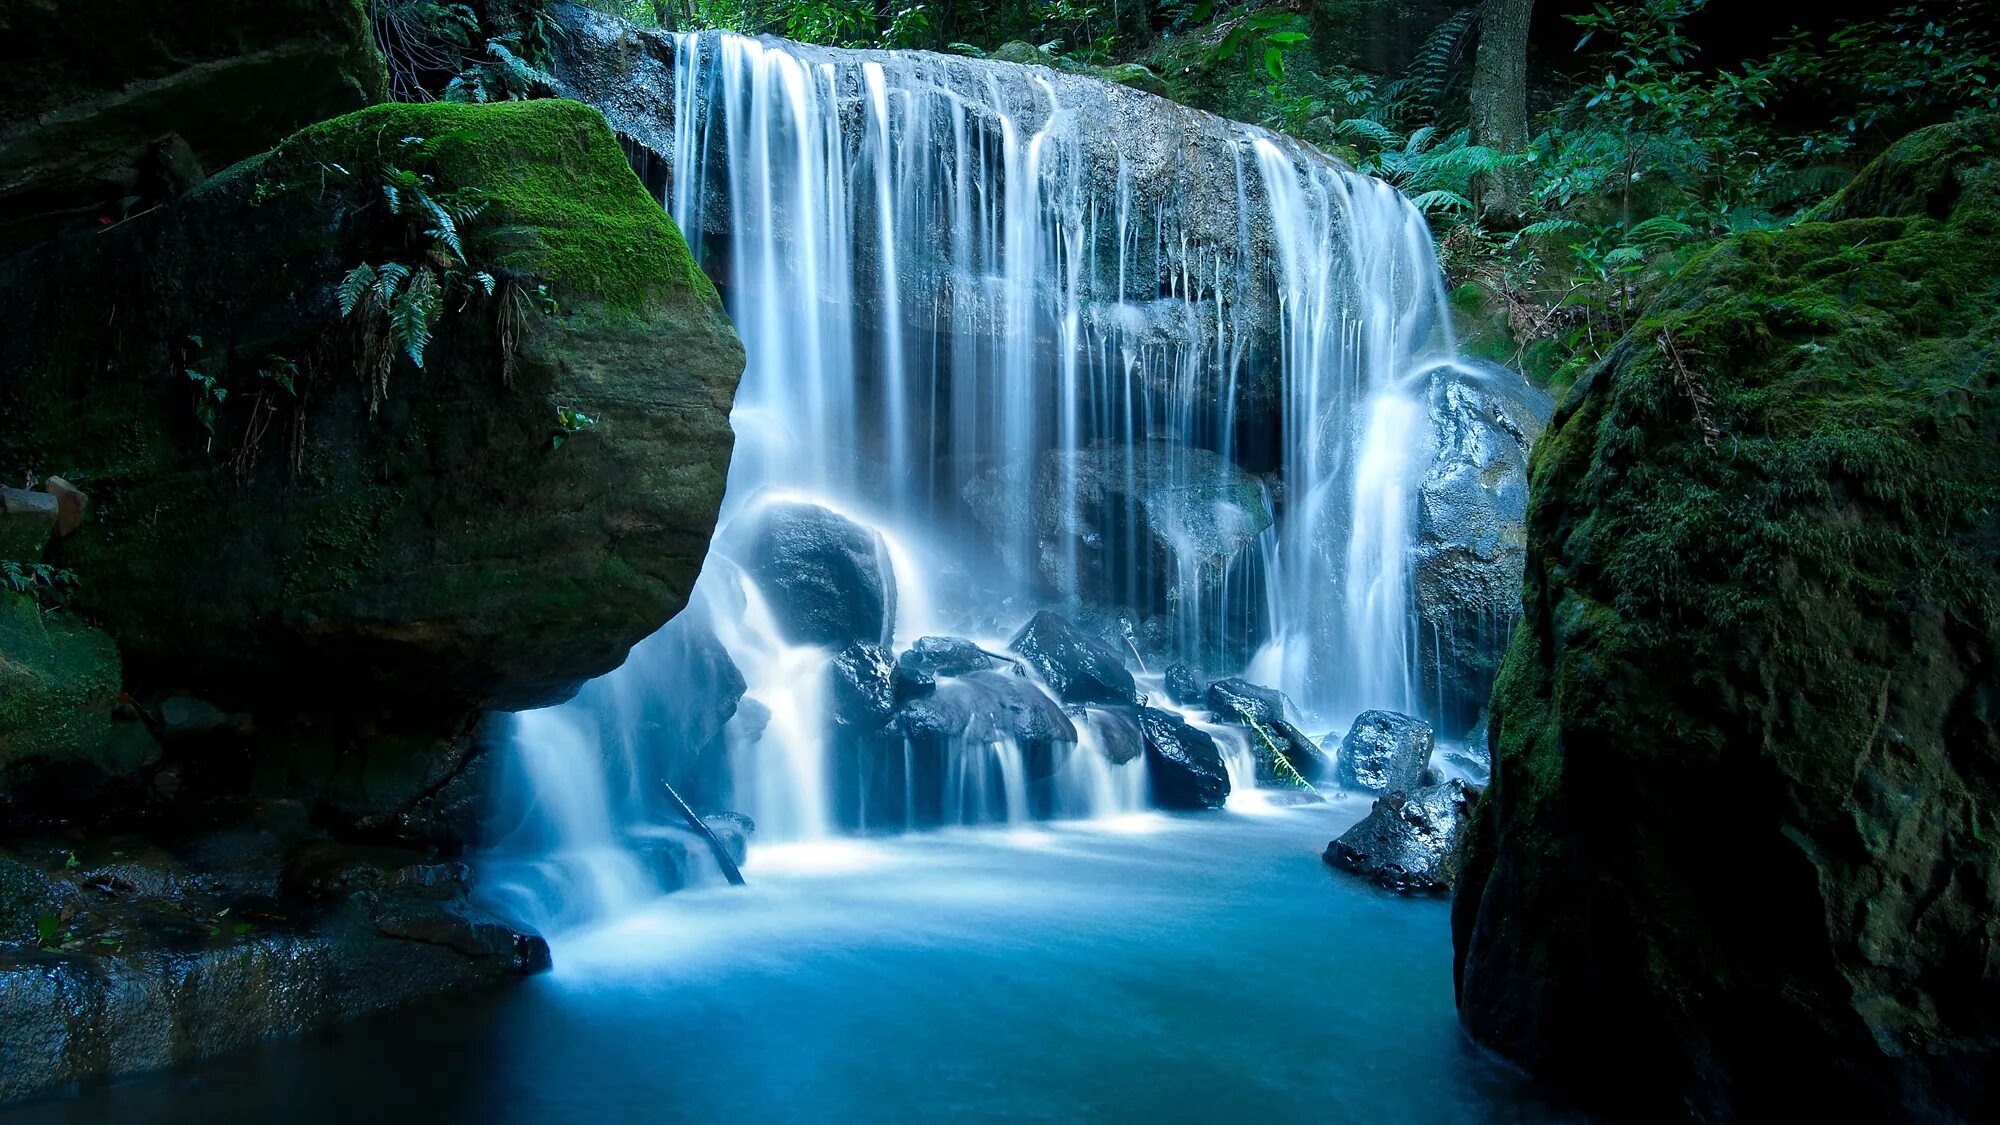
(411, 317)
(355, 286)
(389, 279)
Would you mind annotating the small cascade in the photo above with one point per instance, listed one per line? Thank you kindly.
(1050, 343)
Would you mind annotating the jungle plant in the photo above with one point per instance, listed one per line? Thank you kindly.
(570, 422)
(35, 579)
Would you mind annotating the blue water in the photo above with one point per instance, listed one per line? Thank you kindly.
(1151, 969)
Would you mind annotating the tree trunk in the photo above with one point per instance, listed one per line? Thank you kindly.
(1500, 104)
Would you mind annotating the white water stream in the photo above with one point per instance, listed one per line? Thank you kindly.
(1057, 344)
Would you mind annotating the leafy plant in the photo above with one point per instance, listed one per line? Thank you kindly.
(569, 423)
(36, 579)
(408, 296)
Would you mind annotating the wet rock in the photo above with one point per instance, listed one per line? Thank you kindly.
(1384, 751)
(183, 716)
(1116, 732)
(145, 959)
(827, 578)
(863, 680)
(64, 737)
(1185, 685)
(1263, 710)
(734, 829)
(72, 505)
(946, 656)
(1471, 540)
(1183, 765)
(1406, 842)
(1077, 667)
(1240, 701)
(982, 706)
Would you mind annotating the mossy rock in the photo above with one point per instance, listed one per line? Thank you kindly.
(1741, 855)
(59, 728)
(383, 542)
(106, 107)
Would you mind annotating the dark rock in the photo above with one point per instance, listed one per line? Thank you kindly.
(827, 578)
(1192, 514)
(27, 523)
(1077, 667)
(863, 680)
(63, 735)
(982, 706)
(1406, 842)
(154, 961)
(1384, 751)
(1183, 765)
(1471, 541)
(91, 119)
(1116, 732)
(946, 656)
(1186, 686)
(1240, 701)
(1739, 859)
(433, 553)
(183, 716)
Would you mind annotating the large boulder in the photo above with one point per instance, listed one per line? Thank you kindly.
(1740, 855)
(1470, 543)
(826, 578)
(1184, 768)
(1408, 840)
(983, 706)
(107, 109)
(1384, 751)
(292, 517)
(1076, 666)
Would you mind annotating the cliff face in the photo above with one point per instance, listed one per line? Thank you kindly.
(1740, 858)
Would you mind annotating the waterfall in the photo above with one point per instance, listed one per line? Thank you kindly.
(1058, 344)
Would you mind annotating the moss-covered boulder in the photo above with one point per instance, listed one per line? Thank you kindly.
(290, 516)
(1741, 856)
(108, 107)
(62, 731)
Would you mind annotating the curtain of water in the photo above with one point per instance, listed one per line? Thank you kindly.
(1061, 344)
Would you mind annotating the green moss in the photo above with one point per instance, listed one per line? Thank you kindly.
(565, 206)
(58, 681)
(1746, 734)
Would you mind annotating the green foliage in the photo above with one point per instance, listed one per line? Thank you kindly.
(36, 579)
(570, 422)
(450, 50)
(411, 295)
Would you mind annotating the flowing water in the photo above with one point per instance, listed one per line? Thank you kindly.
(1149, 968)
(1055, 343)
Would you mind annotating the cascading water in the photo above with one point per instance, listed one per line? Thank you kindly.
(1055, 343)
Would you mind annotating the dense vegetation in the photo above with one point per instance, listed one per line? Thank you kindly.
(1642, 147)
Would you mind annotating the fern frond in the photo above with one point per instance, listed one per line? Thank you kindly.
(354, 287)
(389, 279)
(1368, 129)
(414, 312)
(1441, 202)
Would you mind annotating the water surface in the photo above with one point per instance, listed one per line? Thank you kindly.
(1150, 968)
